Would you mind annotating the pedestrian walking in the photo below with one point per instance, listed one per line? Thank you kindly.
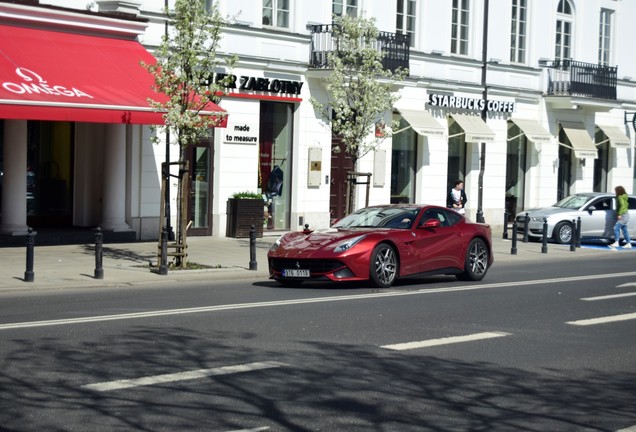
(622, 219)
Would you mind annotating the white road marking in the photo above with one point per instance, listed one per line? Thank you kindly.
(426, 291)
(603, 320)
(180, 376)
(444, 341)
(626, 284)
(608, 297)
(628, 429)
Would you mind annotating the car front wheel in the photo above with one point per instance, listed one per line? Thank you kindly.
(563, 233)
(476, 261)
(383, 266)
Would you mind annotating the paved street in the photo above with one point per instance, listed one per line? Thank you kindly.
(532, 347)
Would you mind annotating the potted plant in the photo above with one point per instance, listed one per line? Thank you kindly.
(244, 209)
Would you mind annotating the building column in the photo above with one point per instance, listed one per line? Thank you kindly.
(14, 178)
(114, 193)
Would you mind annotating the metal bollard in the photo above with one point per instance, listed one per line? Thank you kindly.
(544, 238)
(253, 264)
(99, 241)
(505, 225)
(525, 228)
(29, 276)
(163, 265)
(573, 237)
(578, 232)
(513, 249)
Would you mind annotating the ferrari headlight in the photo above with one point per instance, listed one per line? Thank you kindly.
(348, 244)
(276, 244)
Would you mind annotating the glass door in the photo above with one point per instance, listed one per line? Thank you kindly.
(200, 200)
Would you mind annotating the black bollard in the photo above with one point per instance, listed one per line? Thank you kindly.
(99, 241)
(526, 227)
(253, 264)
(578, 232)
(513, 249)
(505, 225)
(163, 265)
(573, 237)
(544, 238)
(29, 276)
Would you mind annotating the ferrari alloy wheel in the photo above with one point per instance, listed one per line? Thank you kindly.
(384, 266)
(476, 261)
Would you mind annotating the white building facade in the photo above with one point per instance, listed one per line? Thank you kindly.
(526, 101)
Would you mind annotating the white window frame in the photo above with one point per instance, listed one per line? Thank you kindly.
(606, 22)
(347, 7)
(460, 25)
(277, 11)
(519, 31)
(564, 31)
(406, 19)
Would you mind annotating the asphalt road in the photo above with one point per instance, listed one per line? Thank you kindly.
(534, 346)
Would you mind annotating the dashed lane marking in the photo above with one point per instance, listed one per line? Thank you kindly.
(609, 296)
(603, 320)
(180, 376)
(444, 341)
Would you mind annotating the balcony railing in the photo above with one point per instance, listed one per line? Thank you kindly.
(574, 78)
(394, 46)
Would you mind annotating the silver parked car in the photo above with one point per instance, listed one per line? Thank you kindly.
(596, 210)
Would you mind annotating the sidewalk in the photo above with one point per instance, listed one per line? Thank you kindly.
(128, 264)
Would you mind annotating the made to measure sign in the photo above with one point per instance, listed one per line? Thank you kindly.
(240, 133)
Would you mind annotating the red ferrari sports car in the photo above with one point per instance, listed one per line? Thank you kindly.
(383, 243)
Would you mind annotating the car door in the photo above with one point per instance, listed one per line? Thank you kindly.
(631, 225)
(435, 247)
(598, 217)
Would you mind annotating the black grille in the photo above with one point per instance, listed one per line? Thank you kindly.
(314, 266)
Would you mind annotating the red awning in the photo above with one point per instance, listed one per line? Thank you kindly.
(52, 75)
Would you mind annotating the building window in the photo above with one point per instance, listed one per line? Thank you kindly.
(405, 19)
(605, 37)
(518, 31)
(344, 7)
(276, 13)
(459, 29)
(563, 45)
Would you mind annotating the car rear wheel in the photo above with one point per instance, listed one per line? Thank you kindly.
(384, 266)
(563, 233)
(476, 261)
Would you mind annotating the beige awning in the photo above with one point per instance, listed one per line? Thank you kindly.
(422, 122)
(475, 129)
(533, 130)
(616, 136)
(582, 144)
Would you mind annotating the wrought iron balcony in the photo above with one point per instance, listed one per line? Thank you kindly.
(394, 46)
(568, 77)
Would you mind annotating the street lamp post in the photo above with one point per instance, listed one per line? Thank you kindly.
(482, 155)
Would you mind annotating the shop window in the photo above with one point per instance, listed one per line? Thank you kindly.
(456, 155)
(516, 171)
(403, 160)
(601, 164)
(564, 177)
(274, 165)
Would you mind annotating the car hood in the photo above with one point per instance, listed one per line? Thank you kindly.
(546, 211)
(300, 244)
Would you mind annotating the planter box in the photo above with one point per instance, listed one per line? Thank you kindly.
(242, 213)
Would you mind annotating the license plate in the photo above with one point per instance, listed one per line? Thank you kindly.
(296, 273)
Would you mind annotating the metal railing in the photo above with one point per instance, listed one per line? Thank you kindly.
(394, 46)
(568, 77)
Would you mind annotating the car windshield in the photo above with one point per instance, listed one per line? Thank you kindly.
(573, 202)
(379, 217)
